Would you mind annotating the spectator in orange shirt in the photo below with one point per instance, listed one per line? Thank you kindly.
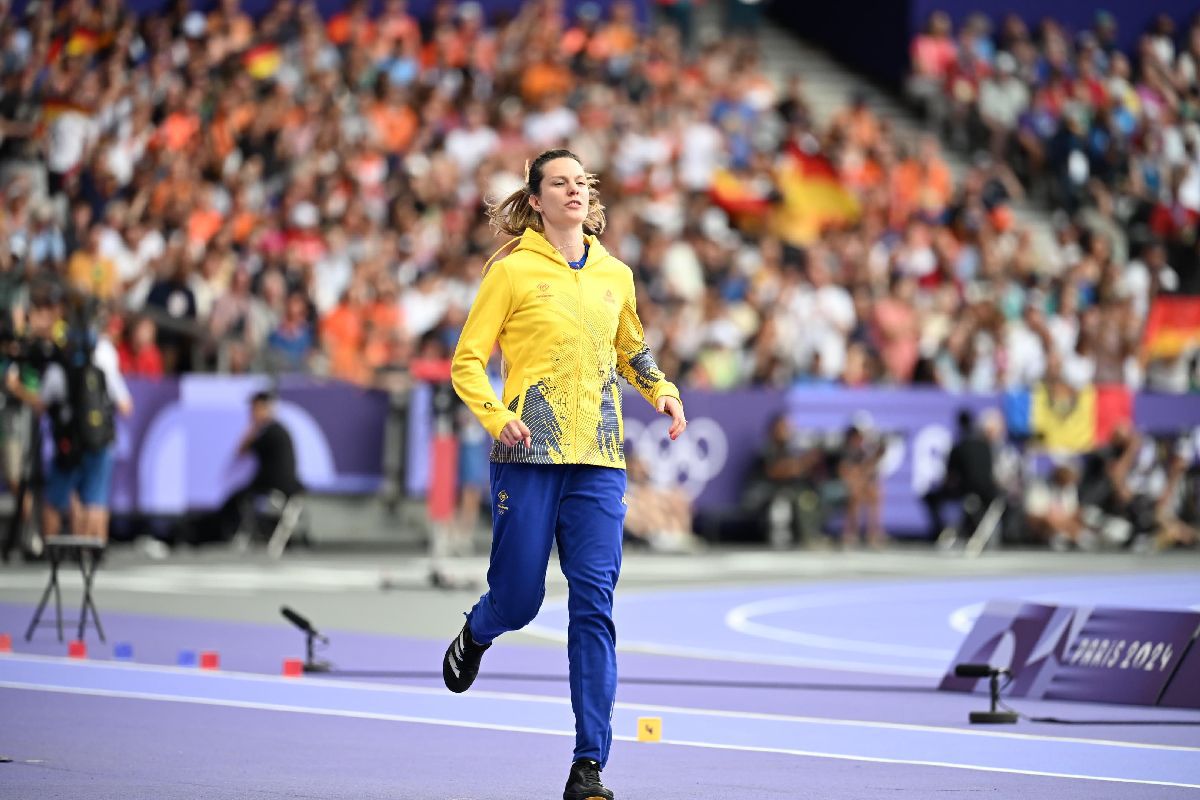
(178, 132)
(937, 185)
(91, 272)
(343, 335)
(858, 123)
(621, 34)
(393, 122)
(545, 75)
(204, 221)
(352, 27)
(397, 25)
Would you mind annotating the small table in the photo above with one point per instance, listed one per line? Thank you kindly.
(57, 547)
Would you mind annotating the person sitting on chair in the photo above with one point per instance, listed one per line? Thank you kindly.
(271, 445)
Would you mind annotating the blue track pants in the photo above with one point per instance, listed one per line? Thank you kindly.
(582, 508)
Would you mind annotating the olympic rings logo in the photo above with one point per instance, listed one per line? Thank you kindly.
(689, 462)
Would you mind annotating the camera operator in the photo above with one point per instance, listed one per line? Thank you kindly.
(80, 388)
(782, 489)
(16, 418)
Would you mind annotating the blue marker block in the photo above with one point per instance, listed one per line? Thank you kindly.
(123, 651)
(186, 658)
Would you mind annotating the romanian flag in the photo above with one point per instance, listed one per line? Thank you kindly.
(262, 61)
(1066, 420)
(813, 198)
(1172, 327)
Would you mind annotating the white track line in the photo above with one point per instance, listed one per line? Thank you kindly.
(554, 700)
(544, 731)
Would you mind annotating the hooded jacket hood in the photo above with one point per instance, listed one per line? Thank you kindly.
(533, 242)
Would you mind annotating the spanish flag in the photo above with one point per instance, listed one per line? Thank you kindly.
(1172, 327)
(1066, 420)
(262, 61)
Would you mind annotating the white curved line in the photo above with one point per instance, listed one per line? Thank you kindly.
(739, 619)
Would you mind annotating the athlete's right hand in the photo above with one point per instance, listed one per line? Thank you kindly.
(514, 433)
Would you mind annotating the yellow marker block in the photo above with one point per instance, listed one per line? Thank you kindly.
(649, 729)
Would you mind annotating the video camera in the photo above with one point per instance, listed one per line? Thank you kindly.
(70, 339)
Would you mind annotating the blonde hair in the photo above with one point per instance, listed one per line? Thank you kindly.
(514, 214)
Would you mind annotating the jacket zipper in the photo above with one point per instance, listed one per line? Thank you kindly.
(578, 365)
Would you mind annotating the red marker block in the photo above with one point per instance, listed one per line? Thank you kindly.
(293, 668)
(210, 659)
(5, 643)
(77, 649)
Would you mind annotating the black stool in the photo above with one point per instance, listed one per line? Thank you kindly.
(88, 549)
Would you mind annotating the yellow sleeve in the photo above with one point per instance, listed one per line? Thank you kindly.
(634, 359)
(468, 370)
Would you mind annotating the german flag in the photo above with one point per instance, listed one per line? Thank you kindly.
(80, 42)
(736, 195)
(1172, 327)
(83, 42)
(55, 107)
(262, 61)
(813, 198)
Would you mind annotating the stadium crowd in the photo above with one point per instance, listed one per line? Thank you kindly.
(295, 193)
(1110, 140)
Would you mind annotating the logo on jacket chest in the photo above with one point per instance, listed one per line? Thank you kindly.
(544, 292)
(608, 297)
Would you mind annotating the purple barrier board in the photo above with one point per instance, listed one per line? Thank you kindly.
(1183, 691)
(177, 452)
(713, 457)
(726, 430)
(1123, 655)
(919, 425)
(1111, 655)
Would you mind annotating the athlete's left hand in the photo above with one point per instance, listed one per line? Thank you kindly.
(669, 405)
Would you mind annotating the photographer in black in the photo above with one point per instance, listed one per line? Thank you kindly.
(970, 471)
(80, 390)
(271, 445)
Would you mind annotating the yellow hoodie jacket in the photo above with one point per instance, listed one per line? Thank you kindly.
(565, 334)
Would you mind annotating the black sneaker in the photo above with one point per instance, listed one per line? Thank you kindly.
(461, 664)
(584, 782)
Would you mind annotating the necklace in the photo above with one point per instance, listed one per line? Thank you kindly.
(563, 251)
